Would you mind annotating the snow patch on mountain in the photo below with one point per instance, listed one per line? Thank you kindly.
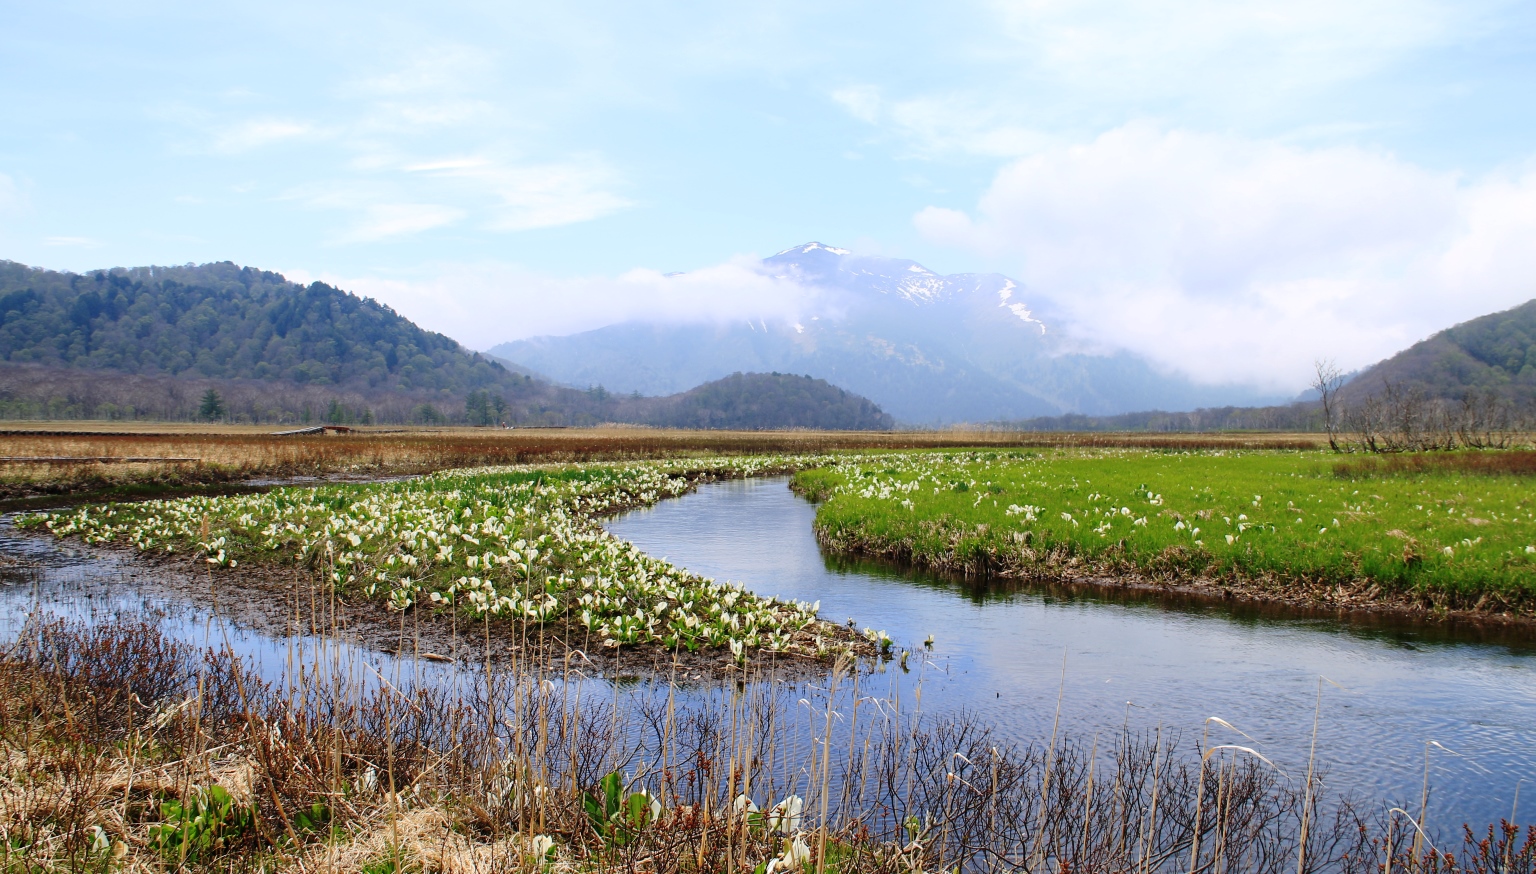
(929, 348)
(1005, 293)
(812, 247)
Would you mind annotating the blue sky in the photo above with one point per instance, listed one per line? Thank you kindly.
(1231, 189)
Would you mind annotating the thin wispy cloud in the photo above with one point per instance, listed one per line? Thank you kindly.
(488, 303)
(11, 198)
(861, 101)
(254, 134)
(528, 196)
(385, 221)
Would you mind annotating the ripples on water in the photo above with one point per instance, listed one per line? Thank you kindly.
(1000, 655)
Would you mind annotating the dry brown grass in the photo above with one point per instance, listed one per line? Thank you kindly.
(1511, 462)
(102, 727)
(232, 453)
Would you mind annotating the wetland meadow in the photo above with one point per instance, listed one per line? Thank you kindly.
(527, 667)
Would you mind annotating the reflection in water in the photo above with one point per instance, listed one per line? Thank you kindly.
(1151, 660)
(42, 578)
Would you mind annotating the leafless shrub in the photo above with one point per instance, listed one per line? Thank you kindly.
(1398, 418)
(463, 775)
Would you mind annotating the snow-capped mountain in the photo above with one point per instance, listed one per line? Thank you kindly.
(910, 281)
(928, 348)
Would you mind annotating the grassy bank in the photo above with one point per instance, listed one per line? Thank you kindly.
(1456, 533)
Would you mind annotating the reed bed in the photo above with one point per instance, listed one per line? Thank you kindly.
(227, 455)
(125, 750)
(1513, 462)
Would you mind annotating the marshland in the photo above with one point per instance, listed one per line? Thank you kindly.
(529, 667)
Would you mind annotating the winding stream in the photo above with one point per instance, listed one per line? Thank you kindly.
(1000, 655)
(1005, 654)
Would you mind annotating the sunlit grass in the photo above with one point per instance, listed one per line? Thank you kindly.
(1445, 532)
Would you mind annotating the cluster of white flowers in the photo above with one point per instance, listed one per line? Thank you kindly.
(782, 818)
(518, 542)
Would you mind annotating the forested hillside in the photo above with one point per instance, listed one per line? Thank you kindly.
(768, 400)
(225, 322)
(1496, 352)
(229, 343)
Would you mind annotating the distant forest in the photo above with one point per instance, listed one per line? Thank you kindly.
(752, 401)
(220, 321)
(749, 400)
(230, 343)
(1290, 417)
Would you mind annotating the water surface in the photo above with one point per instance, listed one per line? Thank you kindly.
(1000, 652)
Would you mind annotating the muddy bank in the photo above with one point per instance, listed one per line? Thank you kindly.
(282, 601)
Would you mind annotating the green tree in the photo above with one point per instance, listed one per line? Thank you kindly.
(212, 406)
(484, 408)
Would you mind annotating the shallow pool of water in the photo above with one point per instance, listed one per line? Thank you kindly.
(1007, 654)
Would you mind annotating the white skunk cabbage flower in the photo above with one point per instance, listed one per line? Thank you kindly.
(543, 846)
(785, 816)
(743, 805)
(796, 854)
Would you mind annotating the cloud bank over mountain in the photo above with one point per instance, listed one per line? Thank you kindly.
(927, 347)
(488, 303)
(1219, 255)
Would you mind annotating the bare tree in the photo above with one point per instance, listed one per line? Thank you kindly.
(1326, 383)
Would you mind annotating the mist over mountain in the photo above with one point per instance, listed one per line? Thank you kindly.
(152, 342)
(927, 348)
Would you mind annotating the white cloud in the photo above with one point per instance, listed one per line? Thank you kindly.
(431, 70)
(534, 195)
(386, 121)
(382, 221)
(961, 123)
(481, 305)
(1138, 49)
(81, 242)
(1040, 69)
(394, 198)
(1234, 259)
(253, 134)
(861, 101)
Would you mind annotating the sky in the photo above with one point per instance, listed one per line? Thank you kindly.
(1232, 189)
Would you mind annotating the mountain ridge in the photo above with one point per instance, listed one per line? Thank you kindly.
(149, 341)
(928, 348)
(1491, 353)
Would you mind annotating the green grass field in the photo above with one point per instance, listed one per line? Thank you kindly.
(1450, 535)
